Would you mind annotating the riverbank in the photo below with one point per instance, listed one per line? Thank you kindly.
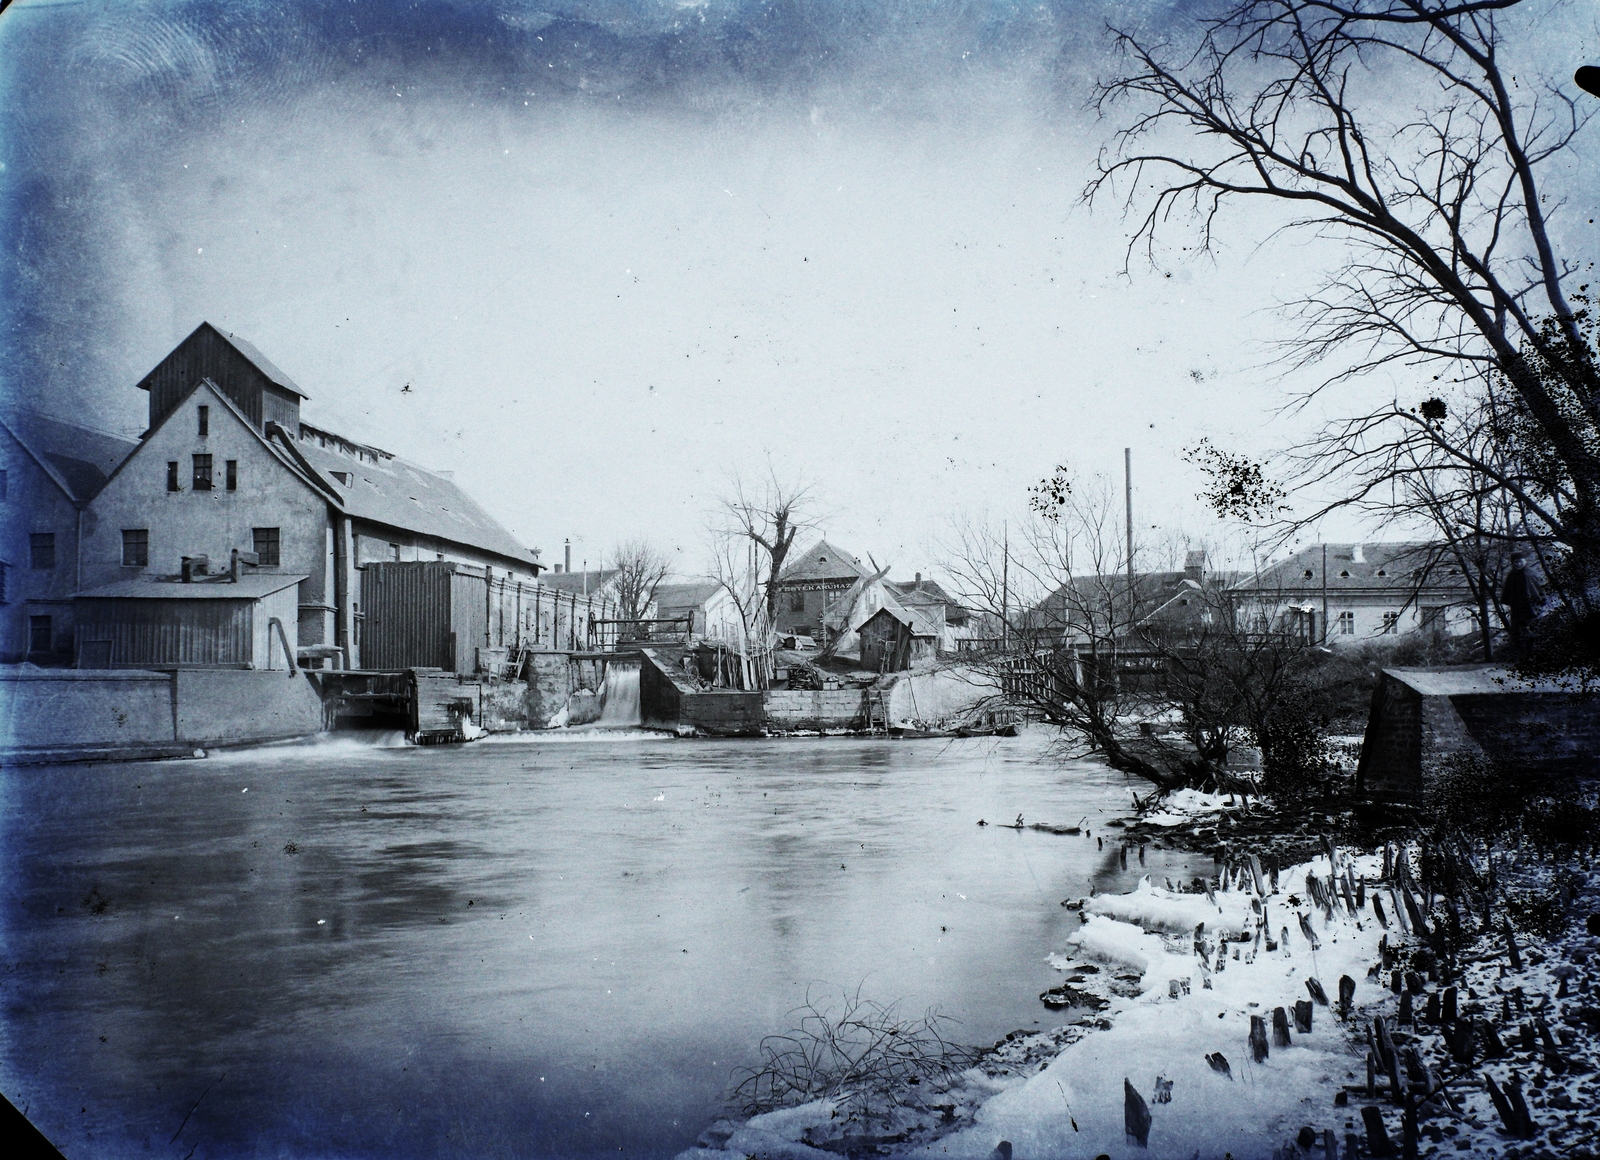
(1251, 1034)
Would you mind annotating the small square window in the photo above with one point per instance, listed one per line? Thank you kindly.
(135, 547)
(1391, 623)
(1347, 624)
(231, 472)
(42, 550)
(205, 421)
(172, 475)
(265, 543)
(202, 473)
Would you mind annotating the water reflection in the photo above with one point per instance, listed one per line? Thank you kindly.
(535, 949)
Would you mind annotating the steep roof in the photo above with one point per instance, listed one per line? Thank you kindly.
(1396, 566)
(247, 350)
(80, 459)
(388, 490)
(913, 617)
(823, 561)
(929, 592)
(690, 594)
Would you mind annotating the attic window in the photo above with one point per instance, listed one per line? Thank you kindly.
(343, 477)
(1381, 572)
(822, 559)
(1344, 574)
(1309, 573)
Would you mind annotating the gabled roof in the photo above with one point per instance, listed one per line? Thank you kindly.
(250, 586)
(929, 592)
(247, 351)
(402, 495)
(1396, 566)
(690, 594)
(78, 459)
(914, 618)
(579, 582)
(822, 561)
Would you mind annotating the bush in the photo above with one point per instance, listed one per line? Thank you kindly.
(859, 1054)
(1294, 744)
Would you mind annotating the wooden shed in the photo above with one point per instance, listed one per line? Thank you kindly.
(212, 622)
(893, 637)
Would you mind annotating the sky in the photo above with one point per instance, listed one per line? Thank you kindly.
(594, 258)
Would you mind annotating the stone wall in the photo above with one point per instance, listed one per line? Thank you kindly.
(68, 714)
(940, 695)
(815, 709)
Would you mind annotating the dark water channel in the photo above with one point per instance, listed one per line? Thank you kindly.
(529, 949)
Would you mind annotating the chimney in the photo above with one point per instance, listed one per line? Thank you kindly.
(1357, 555)
(567, 563)
(1194, 566)
(186, 570)
(919, 578)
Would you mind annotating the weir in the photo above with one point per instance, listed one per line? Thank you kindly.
(621, 706)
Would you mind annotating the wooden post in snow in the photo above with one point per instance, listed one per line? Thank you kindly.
(1258, 1038)
(1135, 1115)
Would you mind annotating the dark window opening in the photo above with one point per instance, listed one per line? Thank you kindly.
(2, 583)
(202, 473)
(205, 421)
(42, 550)
(172, 475)
(135, 547)
(3, 483)
(231, 469)
(797, 602)
(265, 543)
(394, 551)
(39, 634)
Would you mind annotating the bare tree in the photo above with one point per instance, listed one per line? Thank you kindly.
(1441, 210)
(641, 567)
(768, 513)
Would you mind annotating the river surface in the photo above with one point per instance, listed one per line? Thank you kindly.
(558, 947)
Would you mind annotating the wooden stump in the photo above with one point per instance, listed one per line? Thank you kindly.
(1135, 1115)
(1347, 994)
(1406, 1017)
(1280, 1027)
(1448, 1011)
(1258, 1038)
(1302, 1016)
(1377, 1136)
(1314, 985)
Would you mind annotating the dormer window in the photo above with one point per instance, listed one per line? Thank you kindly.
(1309, 574)
(822, 559)
(343, 478)
(1381, 572)
(1344, 574)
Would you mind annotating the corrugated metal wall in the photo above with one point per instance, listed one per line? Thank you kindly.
(168, 632)
(407, 615)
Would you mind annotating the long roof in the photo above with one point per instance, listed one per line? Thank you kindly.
(580, 582)
(689, 594)
(823, 561)
(390, 490)
(1394, 566)
(79, 459)
(250, 586)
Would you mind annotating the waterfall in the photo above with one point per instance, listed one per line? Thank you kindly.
(621, 708)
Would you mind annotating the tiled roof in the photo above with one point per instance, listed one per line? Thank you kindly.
(579, 582)
(1383, 567)
(822, 561)
(401, 494)
(691, 594)
(80, 457)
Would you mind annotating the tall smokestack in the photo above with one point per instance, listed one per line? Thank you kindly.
(568, 561)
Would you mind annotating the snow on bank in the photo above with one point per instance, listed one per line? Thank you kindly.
(1165, 1035)
(1174, 912)
(1173, 1001)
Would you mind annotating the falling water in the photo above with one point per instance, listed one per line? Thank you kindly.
(621, 708)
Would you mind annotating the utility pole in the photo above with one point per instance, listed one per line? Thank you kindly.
(1127, 487)
(1005, 587)
(1324, 594)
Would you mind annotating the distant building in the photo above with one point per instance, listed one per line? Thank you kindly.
(705, 603)
(814, 583)
(227, 464)
(49, 471)
(929, 596)
(1101, 608)
(1363, 592)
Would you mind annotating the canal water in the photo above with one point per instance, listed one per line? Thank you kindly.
(556, 947)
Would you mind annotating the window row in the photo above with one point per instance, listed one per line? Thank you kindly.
(201, 479)
(136, 546)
